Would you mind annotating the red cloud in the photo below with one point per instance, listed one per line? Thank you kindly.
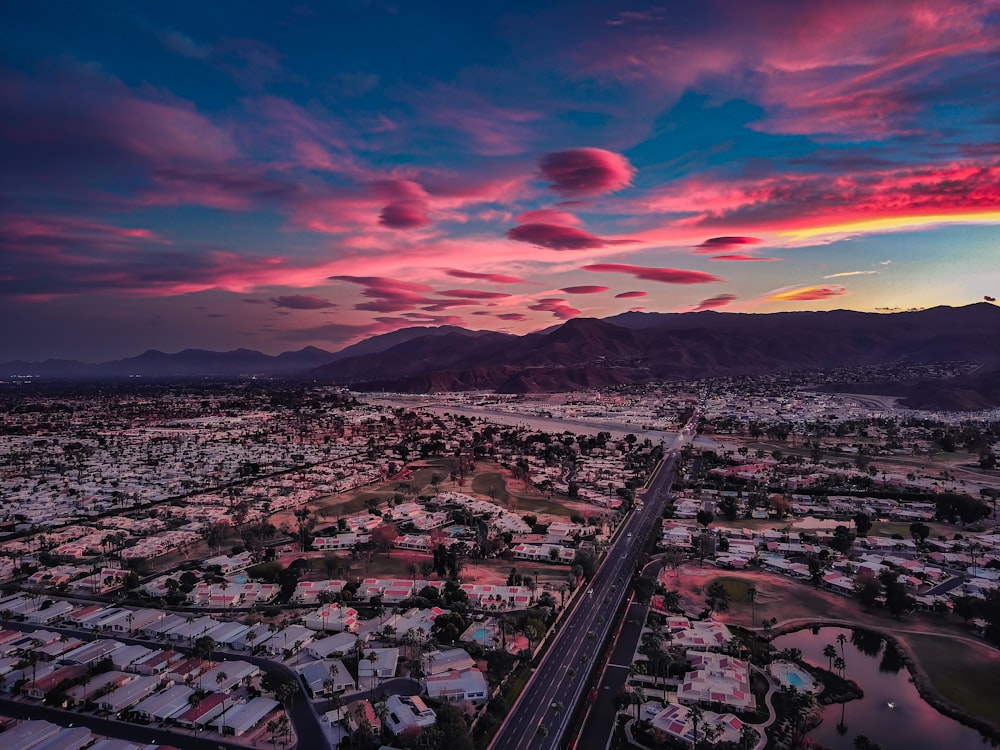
(408, 319)
(739, 257)
(584, 289)
(628, 295)
(586, 171)
(807, 293)
(556, 237)
(814, 205)
(712, 302)
(408, 204)
(301, 302)
(496, 278)
(664, 275)
(389, 295)
(548, 216)
(558, 307)
(714, 244)
(404, 215)
(856, 68)
(440, 305)
(473, 294)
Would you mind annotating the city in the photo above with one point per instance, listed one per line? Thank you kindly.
(577, 375)
(244, 565)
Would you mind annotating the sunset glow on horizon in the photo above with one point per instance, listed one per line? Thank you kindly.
(228, 175)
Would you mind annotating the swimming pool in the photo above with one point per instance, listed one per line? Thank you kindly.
(479, 635)
(795, 679)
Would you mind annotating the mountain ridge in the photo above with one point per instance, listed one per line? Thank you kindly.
(591, 352)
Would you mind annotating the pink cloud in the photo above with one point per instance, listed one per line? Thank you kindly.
(807, 293)
(548, 216)
(586, 171)
(230, 190)
(495, 278)
(489, 128)
(810, 202)
(584, 289)
(388, 295)
(512, 316)
(852, 68)
(301, 302)
(715, 244)
(558, 307)
(399, 190)
(440, 305)
(408, 319)
(472, 294)
(737, 257)
(629, 295)
(404, 215)
(720, 300)
(408, 209)
(556, 237)
(72, 124)
(664, 275)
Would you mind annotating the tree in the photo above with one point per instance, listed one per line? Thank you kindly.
(867, 588)
(696, 715)
(752, 597)
(672, 600)
(862, 523)
(705, 517)
(840, 665)
(372, 658)
(830, 653)
(717, 597)
(920, 532)
(220, 678)
(284, 692)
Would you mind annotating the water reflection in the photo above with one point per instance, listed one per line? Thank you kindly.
(892, 713)
(892, 660)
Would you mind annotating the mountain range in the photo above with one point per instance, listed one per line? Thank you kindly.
(629, 348)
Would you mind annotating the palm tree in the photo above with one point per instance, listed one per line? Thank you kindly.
(696, 715)
(373, 657)
(752, 596)
(638, 697)
(221, 677)
(842, 639)
(840, 665)
(829, 652)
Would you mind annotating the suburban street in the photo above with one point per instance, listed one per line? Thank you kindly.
(541, 716)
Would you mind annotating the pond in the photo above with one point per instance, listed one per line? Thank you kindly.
(892, 712)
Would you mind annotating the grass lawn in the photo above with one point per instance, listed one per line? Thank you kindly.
(539, 504)
(737, 588)
(966, 674)
(773, 600)
(491, 480)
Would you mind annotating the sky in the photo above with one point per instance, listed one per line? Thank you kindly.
(273, 176)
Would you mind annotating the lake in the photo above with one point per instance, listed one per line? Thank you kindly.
(892, 712)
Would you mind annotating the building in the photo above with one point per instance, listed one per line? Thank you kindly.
(407, 713)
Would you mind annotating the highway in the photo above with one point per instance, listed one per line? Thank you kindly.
(558, 682)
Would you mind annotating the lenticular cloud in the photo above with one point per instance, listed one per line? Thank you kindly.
(586, 171)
